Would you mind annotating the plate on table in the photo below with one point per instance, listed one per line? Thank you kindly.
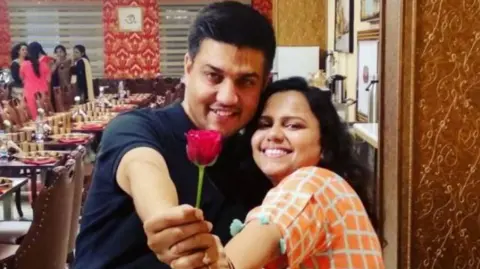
(40, 157)
(91, 125)
(70, 137)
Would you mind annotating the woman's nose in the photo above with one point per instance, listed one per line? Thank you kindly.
(275, 134)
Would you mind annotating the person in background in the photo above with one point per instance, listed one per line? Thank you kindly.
(36, 75)
(60, 70)
(82, 74)
(19, 54)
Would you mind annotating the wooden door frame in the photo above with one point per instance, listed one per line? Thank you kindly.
(397, 75)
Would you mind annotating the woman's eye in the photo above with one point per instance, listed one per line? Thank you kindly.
(294, 126)
(263, 125)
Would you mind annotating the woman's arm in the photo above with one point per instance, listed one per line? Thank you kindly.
(15, 71)
(255, 246)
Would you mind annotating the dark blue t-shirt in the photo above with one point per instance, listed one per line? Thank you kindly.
(111, 233)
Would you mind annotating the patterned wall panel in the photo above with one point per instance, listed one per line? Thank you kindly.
(301, 22)
(446, 201)
(5, 42)
(129, 55)
(264, 6)
(438, 131)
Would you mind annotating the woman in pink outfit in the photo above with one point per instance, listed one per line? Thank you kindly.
(35, 73)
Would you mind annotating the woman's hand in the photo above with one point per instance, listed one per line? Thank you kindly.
(212, 258)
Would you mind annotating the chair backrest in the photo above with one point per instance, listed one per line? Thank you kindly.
(21, 109)
(78, 154)
(45, 244)
(43, 100)
(10, 114)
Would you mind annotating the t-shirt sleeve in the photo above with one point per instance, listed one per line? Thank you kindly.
(126, 132)
(293, 208)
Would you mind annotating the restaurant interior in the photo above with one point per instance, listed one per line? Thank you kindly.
(404, 76)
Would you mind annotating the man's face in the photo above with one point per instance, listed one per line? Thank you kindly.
(223, 86)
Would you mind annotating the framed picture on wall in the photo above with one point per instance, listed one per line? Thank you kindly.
(344, 25)
(370, 10)
(130, 19)
(367, 75)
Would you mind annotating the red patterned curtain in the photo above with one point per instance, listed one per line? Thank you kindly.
(134, 54)
(264, 6)
(5, 40)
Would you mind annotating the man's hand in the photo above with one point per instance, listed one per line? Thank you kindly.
(179, 231)
(212, 258)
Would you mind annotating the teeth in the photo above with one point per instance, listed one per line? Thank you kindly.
(275, 152)
(223, 113)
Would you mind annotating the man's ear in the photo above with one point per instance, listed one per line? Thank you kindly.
(187, 64)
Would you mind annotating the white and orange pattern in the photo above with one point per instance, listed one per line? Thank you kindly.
(323, 222)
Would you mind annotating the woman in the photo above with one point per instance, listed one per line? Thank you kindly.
(19, 53)
(61, 68)
(35, 73)
(60, 71)
(316, 215)
(82, 74)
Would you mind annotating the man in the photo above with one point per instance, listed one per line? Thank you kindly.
(132, 217)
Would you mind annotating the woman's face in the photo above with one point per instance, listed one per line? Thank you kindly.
(60, 53)
(23, 52)
(77, 54)
(287, 137)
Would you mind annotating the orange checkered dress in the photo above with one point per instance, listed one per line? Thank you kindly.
(323, 222)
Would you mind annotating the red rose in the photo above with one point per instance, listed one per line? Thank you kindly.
(203, 146)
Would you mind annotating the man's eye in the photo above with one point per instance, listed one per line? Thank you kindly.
(214, 78)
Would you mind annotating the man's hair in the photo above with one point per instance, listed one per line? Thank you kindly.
(236, 24)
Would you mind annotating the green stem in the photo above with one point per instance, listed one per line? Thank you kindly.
(201, 172)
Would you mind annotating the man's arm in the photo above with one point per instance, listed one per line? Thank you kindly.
(143, 174)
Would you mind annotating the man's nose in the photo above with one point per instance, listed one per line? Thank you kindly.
(227, 94)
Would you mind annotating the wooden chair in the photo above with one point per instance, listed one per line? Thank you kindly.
(78, 156)
(45, 102)
(10, 114)
(21, 109)
(45, 244)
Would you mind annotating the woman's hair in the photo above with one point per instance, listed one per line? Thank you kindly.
(15, 53)
(82, 50)
(61, 47)
(35, 50)
(335, 139)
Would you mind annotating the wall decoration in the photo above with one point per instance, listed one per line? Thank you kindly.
(130, 19)
(370, 10)
(5, 38)
(344, 17)
(131, 54)
(367, 66)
